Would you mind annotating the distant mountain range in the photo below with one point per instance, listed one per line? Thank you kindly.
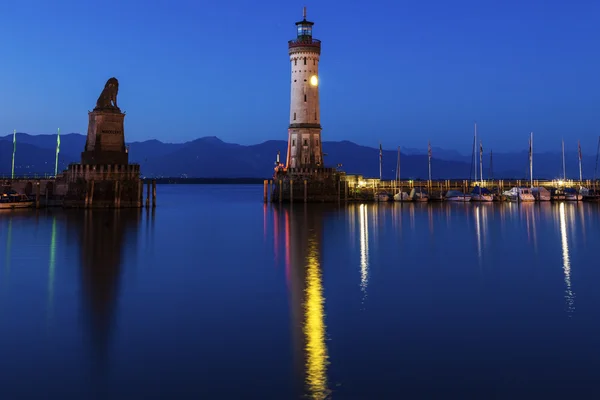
(210, 157)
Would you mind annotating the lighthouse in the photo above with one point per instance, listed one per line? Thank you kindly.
(304, 132)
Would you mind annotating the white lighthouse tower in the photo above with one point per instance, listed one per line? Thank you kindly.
(304, 132)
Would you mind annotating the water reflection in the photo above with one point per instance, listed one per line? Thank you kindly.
(8, 245)
(51, 268)
(569, 295)
(364, 249)
(103, 235)
(306, 292)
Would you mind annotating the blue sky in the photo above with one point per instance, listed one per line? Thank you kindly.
(402, 72)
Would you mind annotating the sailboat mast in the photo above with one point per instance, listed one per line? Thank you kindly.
(474, 149)
(491, 166)
(531, 158)
(481, 163)
(398, 166)
(596, 168)
(579, 155)
(563, 161)
(429, 157)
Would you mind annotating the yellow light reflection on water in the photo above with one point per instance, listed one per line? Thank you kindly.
(569, 295)
(314, 327)
(364, 249)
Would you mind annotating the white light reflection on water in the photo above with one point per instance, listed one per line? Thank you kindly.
(364, 249)
(569, 295)
(478, 233)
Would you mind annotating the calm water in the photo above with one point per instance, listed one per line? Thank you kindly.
(215, 295)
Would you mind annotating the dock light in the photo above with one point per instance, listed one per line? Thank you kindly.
(314, 80)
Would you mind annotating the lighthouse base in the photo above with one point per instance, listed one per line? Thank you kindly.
(310, 185)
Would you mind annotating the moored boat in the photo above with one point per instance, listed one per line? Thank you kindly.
(419, 194)
(481, 194)
(15, 200)
(382, 196)
(541, 193)
(401, 196)
(572, 195)
(456, 195)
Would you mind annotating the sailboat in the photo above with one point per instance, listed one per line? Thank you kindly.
(593, 194)
(480, 193)
(569, 193)
(400, 196)
(381, 196)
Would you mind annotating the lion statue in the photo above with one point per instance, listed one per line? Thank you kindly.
(108, 97)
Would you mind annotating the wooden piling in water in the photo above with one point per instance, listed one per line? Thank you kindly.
(37, 194)
(280, 191)
(345, 190)
(305, 191)
(291, 191)
(140, 193)
(266, 191)
(87, 194)
(153, 193)
(116, 194)
(271, 190)
(91, 198)
(147, 194)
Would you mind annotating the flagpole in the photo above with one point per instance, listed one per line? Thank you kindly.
(14, 151)
(57, 151)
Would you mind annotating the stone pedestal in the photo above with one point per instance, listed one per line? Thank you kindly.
(103, 186)
(322, 185)
(105, 144)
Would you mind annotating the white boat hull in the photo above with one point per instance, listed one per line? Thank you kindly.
(573, 197)
(526, 197)
(458, 198)
(20, 204)
(482, 197)
(402, 196)
(383, 197)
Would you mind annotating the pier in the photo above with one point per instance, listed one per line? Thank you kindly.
(359, 188)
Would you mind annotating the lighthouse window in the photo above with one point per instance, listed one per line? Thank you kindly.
(314, 62)
(305, 98)
(295, 61)
(306, 142)
(294, 116)
(293, 142)
(304, 60)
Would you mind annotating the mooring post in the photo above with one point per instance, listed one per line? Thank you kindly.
(345, 190)
(148, 194)
(116, 196)
(280, 191)
(87, 193)
(291, 191)
(91, 199)
(140, 194)
(153, 193)
(266, 191)
(37, 194)
(119, 193)
(305, 191)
